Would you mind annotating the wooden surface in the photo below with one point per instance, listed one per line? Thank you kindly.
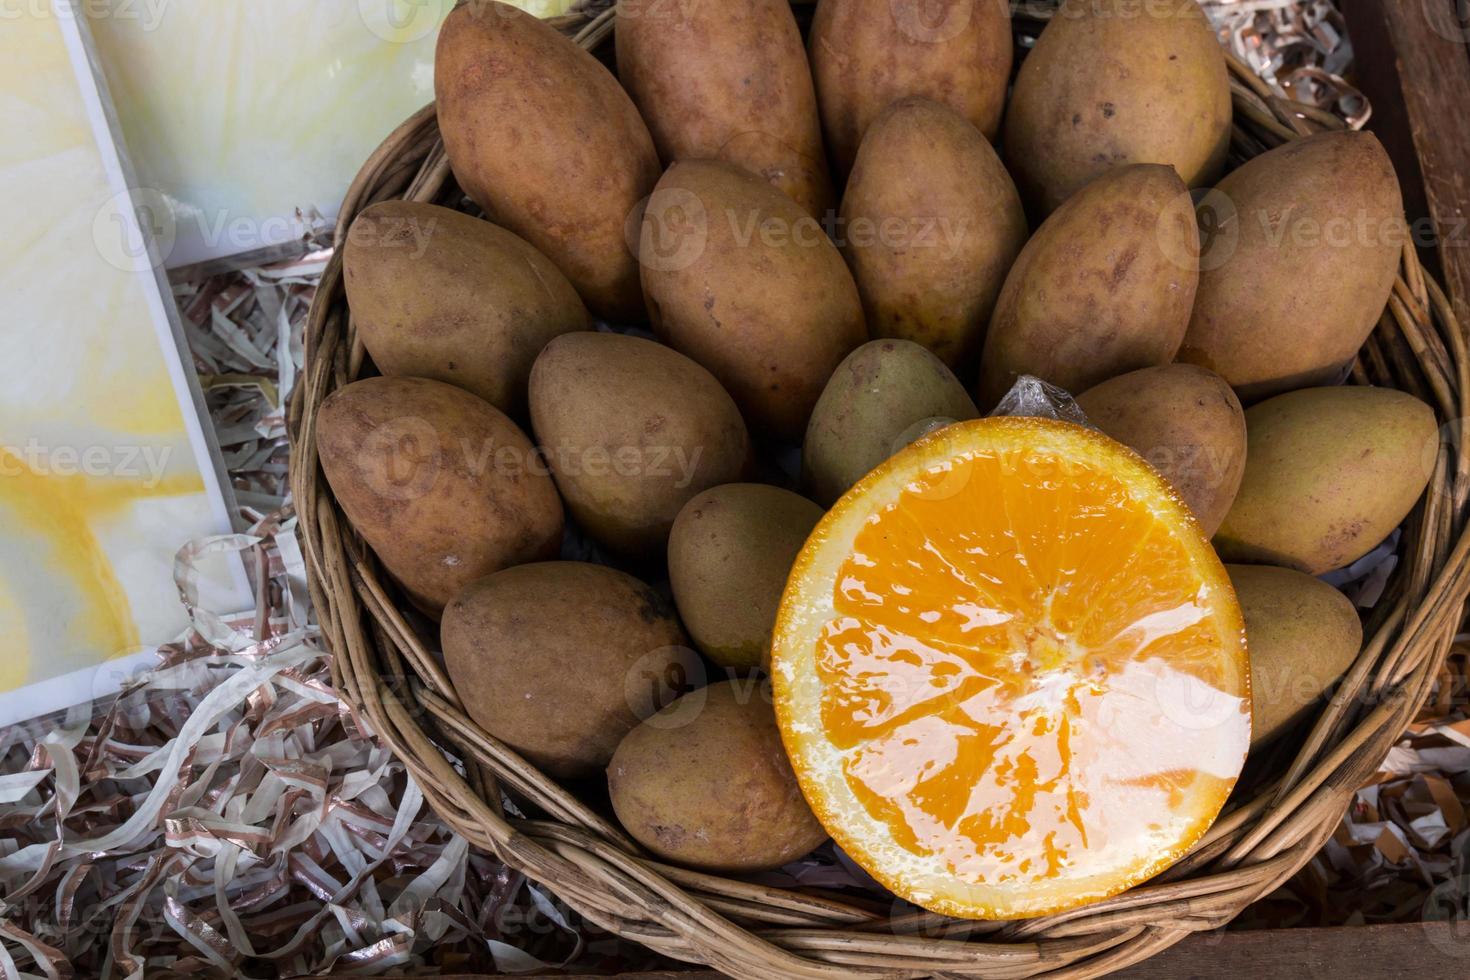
(1427, 951)
(1414, 65)
(1432, 951)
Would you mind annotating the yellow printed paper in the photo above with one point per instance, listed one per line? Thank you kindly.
(248, 120)
(104, 471)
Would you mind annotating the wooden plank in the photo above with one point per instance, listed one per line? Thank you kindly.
(1423, 951)
(1425, 48)
(1377, 77)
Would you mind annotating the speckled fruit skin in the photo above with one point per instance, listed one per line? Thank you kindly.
(632, 430)
(753, 289)
(868, 53)
(705, 783)
(1114, 82)
(560, 660)
(439, 294)
(546, 141)
(729, 554)
(1103, 287)
(440, 483)
(727, 81)
(1302, 635)
(876, 394)
(1330, 472)
(930, 225)
(1186, 422)
(1322, 210)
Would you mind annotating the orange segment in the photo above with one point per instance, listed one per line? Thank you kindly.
(1010, 671)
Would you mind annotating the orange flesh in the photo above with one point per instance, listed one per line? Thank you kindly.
(1030, 672)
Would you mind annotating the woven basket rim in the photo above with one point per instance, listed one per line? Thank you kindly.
(388, 677)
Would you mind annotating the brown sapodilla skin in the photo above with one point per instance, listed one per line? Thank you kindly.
(741, 279)
(439, 294)
(1329, 473)
(1104, 287)
(1302, 635)
(868, 53)
(560, 660)
(546, 141)
(1308, 243)
(1113, 82)
(727, 81)
(706, 783)
(730, 552)
(1186, 422)
(876, 395)
(440, 483)
(632, 430)
(930, 224)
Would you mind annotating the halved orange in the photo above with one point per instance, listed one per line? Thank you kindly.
(1010, 672)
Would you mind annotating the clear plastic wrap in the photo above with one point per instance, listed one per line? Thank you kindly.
(1030, 397)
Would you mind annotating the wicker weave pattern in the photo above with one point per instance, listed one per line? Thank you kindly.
(393, 681)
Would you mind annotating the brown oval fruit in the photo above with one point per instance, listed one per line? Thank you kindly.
(876, 395)
(1104, 287)
(544, 139)
(1302, 635)
(1186, 422)
(1305, 243)
(748, 284)
(729, 554)
(632, 430)
(1330, 472)
(1113, 82)
(705, 783)
(439, 294)
(560, 660)
(440, 483)
(727, 81)
(930, 224)
(867, 54)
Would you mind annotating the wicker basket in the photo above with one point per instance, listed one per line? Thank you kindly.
(1273, 825)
